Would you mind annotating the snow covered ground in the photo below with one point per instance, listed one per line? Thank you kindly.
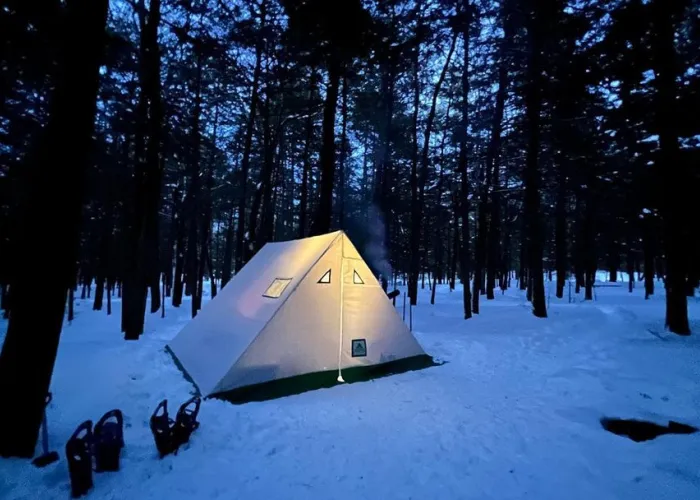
(513, 413)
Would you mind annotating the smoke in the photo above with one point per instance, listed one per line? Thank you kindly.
(375, 247)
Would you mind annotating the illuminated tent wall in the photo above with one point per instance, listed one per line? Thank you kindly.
(301, 313)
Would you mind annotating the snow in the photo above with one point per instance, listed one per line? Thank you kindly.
(513, 413)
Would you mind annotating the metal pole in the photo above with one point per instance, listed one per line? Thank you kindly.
(410, 315)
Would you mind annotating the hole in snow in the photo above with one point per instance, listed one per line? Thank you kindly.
(641, 430)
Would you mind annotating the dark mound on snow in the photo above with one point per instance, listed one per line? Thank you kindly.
(642, 430)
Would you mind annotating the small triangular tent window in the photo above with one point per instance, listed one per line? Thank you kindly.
(326, 278)
(356, 278)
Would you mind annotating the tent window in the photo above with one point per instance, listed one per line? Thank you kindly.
(356, 278)
(277, 288)
(326, 278)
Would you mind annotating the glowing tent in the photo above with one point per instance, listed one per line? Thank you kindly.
(304, 313)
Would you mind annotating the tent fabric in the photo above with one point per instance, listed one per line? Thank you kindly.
(246, 336)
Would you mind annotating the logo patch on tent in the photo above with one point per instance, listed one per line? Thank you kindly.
(359, 348)
(326, 278)
(356, 278)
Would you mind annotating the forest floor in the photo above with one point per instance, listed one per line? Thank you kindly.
(513, 413)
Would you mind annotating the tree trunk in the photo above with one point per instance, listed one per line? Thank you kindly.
(248, 141)
(560, 230)
(614, 260)
(381, 188)
(649, 256)
(99, 293)
(306, 161)
(630, 264)
(142, 270)
(172, 236)
(455, 249)
(419, 201)
(322, 221)
(5, 300)
(71, 304)
(31, 343)
(463, 169)
(493, 161)
(110, 291)
(415, 209)
(228, 251)
(179, 263)
(343, 153)
(533, 105)
(675, 179)
(522, 274)
(193, 195)
(257, 237)
(438, 272)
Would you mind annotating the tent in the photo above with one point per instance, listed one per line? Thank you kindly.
(304, 313)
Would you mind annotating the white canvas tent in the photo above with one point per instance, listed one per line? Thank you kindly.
(298, 307)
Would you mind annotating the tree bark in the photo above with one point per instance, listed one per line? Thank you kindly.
(533, 105)
(415, 208)
(463, 169)
(560, 230)
(631, 259)
(193, 195)
(142, 270)
(675, 179)
(418, 202)
(306, 160)
(248, 141)
(343, 154)
(71, 304)
(228, 251)
(649, 256)
(29, 351)
(322, 220)
(179, 246)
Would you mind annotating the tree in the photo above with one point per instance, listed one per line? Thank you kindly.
(675, 178)
(142, 269)
(335, 34)
(537, 28)
(419, 199)
(466, 14)
(30, 347)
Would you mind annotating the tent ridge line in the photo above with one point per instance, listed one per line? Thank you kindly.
(281, 305)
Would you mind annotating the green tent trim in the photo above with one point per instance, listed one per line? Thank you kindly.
(299, 384)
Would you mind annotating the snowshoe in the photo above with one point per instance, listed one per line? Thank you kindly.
(78, 453)
(162, 429)
(108, 441)
(186, 421)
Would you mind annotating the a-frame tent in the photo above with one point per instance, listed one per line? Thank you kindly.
(300, 315)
